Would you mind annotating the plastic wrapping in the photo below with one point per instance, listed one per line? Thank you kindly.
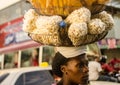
(65, 7)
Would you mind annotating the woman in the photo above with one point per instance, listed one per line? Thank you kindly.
(70, 63)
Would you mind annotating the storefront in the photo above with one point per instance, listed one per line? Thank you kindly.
(110, 47)
(18, 50)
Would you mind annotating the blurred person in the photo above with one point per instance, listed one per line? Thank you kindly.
(15, 60)
(95, 71)
(26, 63)
(34, 57)
(118, 76)
(70, 64)
(115, 63)
(8, 65)
(107, 69)
(94, 68)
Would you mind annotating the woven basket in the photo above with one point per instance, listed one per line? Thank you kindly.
(63, 40)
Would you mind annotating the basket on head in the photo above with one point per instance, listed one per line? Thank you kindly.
(57, 40)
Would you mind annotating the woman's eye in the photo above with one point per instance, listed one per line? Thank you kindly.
(81, 65)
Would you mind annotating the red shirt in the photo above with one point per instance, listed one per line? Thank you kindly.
(115, 63)
(107, 68)
(34, 62)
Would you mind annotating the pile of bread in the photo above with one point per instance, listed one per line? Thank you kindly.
(78, 27)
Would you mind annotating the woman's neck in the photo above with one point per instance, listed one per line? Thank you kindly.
(65, 81)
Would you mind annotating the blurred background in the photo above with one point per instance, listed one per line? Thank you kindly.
(18, 50)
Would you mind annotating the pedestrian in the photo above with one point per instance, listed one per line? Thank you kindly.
(115, 63)
(70, 64)
(107, 69)
(34, 57)
(95, 71)
(94, 68)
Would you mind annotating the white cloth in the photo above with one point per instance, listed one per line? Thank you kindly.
(94, 69)
(69, 52)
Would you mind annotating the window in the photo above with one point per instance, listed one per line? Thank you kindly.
(48, 54)
(2, 77)
(11, 60)
(20, 80)
(1, 61)
(35, 78)
(30, 57)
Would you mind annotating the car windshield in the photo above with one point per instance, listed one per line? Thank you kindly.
(42, 77)
(2, 77)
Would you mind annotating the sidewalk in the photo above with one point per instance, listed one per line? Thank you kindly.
(103, 83)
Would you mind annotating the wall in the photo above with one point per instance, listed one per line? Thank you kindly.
(6, 3)
(115, 32)
(111, 53)
(14, 11)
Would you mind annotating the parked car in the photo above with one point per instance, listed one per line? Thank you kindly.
(27, 76)
(34, 76)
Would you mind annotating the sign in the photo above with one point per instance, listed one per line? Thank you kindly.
(11, 33)
(111, 43)
(118, 43)
(103, 43)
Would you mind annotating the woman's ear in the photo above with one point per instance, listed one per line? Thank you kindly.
(63, 69)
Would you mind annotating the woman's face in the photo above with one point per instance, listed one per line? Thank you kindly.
(76, 70)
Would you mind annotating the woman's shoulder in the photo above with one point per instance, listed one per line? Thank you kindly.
(60, 83)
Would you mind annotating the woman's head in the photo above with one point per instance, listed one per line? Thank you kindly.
(58, 60)
(73, 69)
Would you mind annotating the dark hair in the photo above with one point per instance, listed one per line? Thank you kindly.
(103, 60)
(58, 60)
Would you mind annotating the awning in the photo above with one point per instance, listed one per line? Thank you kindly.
(114, 3)
(19, 46)
(113, 6)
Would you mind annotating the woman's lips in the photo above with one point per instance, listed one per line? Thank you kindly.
(85, 77)
(85, 80)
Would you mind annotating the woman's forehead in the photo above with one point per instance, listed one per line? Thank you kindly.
(77, 60)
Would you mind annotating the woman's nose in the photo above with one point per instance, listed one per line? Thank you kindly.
(85, 69)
